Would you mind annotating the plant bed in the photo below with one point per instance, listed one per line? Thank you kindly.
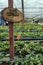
(26, 37)
(26, 53)
(39, 38)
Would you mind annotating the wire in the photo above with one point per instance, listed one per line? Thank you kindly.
(40, 3)
(14, 4)
(19, 1)
(26, 2)
(31, 13)
(32, 7)
(31, 2)
(37, 15)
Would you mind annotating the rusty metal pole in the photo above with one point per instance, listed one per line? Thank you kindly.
(23, 8)
(23, 12)
(11, 36)
(10, 3)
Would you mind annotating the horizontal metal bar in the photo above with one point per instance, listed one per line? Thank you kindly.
(28, 8)
(1, 31)
(32, 39)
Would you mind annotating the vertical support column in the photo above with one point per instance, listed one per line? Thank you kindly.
(10, 3)
(11, 36)
(23, 12)
(11, 40)
(23, 8)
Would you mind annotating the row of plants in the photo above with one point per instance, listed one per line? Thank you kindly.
(27, 25)
(30, 29)
(26, 53)
(5, 35)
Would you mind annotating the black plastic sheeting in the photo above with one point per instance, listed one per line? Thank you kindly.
(25, 38)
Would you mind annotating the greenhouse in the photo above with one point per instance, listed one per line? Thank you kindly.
(21, 32)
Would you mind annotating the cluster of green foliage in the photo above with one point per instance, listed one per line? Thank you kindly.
(27, 30)
(26, 53)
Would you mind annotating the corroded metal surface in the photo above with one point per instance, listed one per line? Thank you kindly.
(12, 14)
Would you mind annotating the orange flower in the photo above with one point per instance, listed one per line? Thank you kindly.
(18, 36)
